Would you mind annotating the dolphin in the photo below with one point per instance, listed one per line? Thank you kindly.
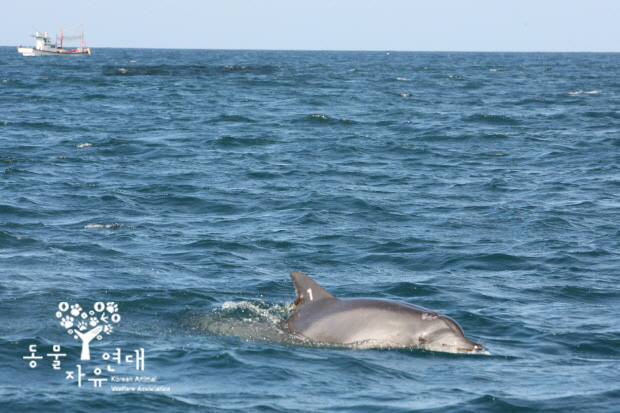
(368, 323)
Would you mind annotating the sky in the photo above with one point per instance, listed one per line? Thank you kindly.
(408, 25)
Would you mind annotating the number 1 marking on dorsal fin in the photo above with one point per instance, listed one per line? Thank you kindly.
(310, 293)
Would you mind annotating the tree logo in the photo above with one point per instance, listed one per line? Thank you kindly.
(78, 322)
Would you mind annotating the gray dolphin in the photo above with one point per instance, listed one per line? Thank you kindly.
(367, 322)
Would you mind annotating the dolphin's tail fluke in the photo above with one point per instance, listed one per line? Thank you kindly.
(307, 289)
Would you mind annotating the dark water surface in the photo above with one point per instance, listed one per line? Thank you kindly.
(184, 186)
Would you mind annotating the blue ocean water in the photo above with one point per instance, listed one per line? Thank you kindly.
(184, 186)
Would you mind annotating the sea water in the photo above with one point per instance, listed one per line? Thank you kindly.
(177, 189)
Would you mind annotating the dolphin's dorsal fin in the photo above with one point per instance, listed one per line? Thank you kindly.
(307, 289)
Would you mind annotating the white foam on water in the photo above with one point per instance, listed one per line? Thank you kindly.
(438, 347)
(108, 226)
(253, 308)
(319, 116)
(584, 92)
(250, 321)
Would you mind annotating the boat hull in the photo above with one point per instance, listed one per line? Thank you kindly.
(31, 51)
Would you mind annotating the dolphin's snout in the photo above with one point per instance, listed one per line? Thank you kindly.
(473, 346)
(469, 345)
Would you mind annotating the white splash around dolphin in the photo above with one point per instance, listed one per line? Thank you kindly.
(352, 324)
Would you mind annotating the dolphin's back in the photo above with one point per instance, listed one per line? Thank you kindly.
(356, 320)
(320, 316)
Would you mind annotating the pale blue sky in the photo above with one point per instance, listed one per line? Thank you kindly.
(415, 25)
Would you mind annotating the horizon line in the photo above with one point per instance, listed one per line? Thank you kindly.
(343, 50)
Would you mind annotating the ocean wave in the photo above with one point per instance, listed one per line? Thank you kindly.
(45, 126)
(220, 244)
(187, 70)
(602, 115)
(22, 211)
(230, 118)
(8, 240)
(584, 92)
(492, 119)
(410, 290)
(238, 141)
(113, 226)
(491, 262)
(320, 119)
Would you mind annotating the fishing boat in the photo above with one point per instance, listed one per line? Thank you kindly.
(45, 47)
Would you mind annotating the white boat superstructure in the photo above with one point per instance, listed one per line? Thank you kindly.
(45, 47)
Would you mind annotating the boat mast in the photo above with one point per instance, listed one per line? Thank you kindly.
(83, 44)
